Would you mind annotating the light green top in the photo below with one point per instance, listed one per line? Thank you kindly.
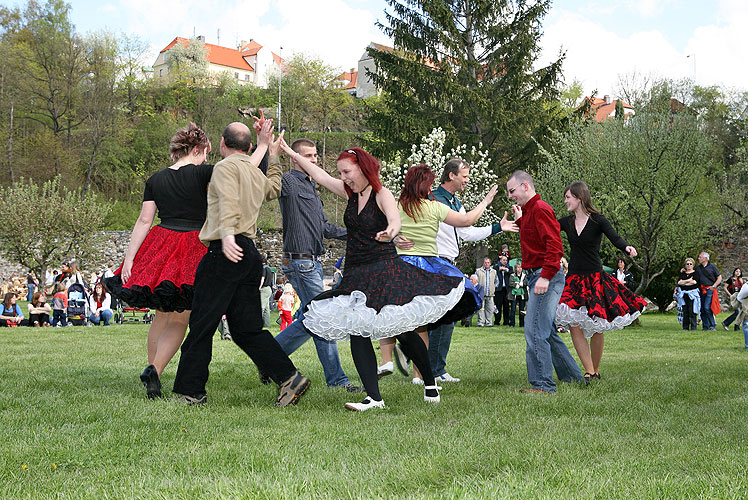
(423, 232)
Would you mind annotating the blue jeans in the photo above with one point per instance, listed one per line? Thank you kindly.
(306, 277)
(707, 317)
(745, 332)
(545, 349)
(439, 340)
(105, 315)
(30, 293)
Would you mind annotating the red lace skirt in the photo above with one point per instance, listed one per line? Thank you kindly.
(597, 302)
(163, 271)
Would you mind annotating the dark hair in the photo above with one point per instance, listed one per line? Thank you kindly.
(185, 141)
(580, 190)
(238, 138)
(453, 166)
(737, 269)
(295, 145)
(368, 164)
(416, 188)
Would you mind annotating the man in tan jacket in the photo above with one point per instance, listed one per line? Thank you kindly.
(228, 277)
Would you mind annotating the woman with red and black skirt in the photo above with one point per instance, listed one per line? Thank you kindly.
(593, 301)
(159, 268)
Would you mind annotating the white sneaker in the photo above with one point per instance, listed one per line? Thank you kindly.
(446, 377)
(364, 405)
(385, 369)
(433, 389)
(416, 381)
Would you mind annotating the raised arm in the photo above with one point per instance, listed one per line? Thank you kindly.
(463, 220)
(319, 175)
(614, 237)
(388, 206)
(264, 138)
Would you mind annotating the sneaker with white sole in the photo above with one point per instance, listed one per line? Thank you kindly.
(385, 369)
(446, 377)
(431, 394)
(417, 381)
(402, 361)
(364, 405)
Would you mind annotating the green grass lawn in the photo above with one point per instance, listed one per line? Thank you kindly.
(669, 419)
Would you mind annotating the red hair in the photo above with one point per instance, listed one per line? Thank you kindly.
(416, 188)
(368, 164)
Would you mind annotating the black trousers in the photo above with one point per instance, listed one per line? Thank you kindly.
(224, 287)
(501, 306)
(689, 317)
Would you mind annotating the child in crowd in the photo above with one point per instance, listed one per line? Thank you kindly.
(285, 305)
(59, 306)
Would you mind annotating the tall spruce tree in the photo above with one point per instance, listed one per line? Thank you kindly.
(466, 66)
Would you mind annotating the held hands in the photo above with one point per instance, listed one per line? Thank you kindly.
(265, 137)
(402, 242)
(385, 236)
(275, 146)
(259, 122)
(509, 226)
(631, 251)
(231, 250)
(541, 286)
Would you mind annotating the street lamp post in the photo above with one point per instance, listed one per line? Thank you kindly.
(280, 79)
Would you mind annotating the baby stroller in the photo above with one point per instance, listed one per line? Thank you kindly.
(77, 312)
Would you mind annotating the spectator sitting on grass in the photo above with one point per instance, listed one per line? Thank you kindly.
(39, 310)
(11, 314)
(100, 305)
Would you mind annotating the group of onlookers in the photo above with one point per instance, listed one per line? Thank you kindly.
(504, 290)
(57, 284)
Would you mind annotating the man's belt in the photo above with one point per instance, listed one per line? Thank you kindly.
(300, 256)
(451, 261)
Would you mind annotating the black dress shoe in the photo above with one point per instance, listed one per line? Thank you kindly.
(150, 380)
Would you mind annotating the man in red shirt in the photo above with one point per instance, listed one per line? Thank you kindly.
(540, 241)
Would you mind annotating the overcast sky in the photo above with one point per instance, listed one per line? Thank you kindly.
(704, 40)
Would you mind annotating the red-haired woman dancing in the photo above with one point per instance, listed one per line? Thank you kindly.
(380, 295)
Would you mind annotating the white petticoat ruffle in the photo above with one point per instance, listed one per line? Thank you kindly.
(337, 318)
(566, 316)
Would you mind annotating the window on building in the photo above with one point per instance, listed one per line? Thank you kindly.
(161, 72)
(236, 75)
(246, 77)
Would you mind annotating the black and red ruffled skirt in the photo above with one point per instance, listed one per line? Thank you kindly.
(163, 271)
(597, 303)
(386, 297)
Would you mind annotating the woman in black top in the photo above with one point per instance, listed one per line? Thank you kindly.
(593, 301)
(691, 299)
(732, 286)
(160, 264)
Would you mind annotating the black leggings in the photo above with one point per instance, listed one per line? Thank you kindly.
(366, 361)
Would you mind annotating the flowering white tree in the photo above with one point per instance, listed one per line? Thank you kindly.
(431, 152)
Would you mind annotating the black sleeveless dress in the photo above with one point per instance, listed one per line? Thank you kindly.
(380, 295)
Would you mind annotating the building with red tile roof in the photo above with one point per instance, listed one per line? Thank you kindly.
(602, 109)
(248, 63)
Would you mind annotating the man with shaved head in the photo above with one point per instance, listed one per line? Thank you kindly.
(228, 277)
(540, 240)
